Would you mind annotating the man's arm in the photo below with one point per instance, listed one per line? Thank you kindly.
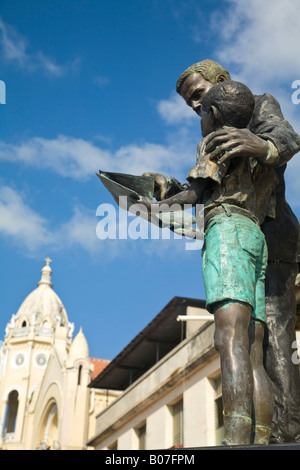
(268, 123)
(270, 138)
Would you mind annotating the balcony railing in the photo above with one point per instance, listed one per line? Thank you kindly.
(37, 330)
(8, 437)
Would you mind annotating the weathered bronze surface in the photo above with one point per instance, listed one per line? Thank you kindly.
(270, 141)
(130, 190)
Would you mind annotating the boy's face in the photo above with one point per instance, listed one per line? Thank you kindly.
(207, 123)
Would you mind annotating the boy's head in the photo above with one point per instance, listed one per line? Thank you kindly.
(227, 104)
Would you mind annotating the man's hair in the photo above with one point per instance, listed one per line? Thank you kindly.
(234, 101)
(209, 69)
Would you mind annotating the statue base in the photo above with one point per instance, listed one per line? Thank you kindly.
(287, 446)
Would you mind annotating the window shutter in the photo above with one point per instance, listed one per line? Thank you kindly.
(177, 411)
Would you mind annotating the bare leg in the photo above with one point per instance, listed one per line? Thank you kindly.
(263, 403)
(232, 343)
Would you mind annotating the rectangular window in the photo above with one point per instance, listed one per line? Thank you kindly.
(219, 419)
(113, 446)
(141, 435)
(177, 414)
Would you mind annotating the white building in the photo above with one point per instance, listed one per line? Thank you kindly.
(170, 377)
(171, 381)
(45, 401)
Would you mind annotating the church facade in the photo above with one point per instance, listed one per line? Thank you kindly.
(45, 398)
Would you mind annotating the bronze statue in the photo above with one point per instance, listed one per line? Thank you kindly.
(272, 140)
(233, 153)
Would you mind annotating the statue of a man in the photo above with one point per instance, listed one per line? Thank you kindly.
(270, 139)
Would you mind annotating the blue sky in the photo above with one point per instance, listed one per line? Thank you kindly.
(91, 85)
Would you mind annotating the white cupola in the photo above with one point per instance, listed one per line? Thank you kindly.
(42, 309)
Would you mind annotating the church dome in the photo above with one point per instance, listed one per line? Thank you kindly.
(42, 307)
(79, 348)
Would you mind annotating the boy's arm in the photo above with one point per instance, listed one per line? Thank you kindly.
(191, 196)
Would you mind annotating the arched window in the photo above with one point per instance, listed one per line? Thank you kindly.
(11, 412)
(24, 324)
(79, 374)
(47, 437)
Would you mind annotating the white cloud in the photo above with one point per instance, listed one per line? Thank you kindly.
(175, 111)
(19, 222)
(80, 159)
(261, 39)
(292, 182)
(33, 234)
(67, 156)
(13, 45)
(80, 231)
(48, 65)
(260, 47)
(14, 48)
(257, 41)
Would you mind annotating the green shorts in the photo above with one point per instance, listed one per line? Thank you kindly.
(234, 263)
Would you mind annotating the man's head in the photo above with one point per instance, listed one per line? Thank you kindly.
(226, 104)
(195, 81)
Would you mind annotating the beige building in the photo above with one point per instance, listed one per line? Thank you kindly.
(45, 401)
(171, 382)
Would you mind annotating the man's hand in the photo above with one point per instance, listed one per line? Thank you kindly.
(229, 142)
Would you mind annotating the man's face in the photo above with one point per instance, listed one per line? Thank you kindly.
(193, 90)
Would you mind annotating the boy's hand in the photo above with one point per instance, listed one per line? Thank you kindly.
(146, 203)
(161, 185)
(229, 142)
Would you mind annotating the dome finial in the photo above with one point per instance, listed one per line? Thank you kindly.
(46, 273)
